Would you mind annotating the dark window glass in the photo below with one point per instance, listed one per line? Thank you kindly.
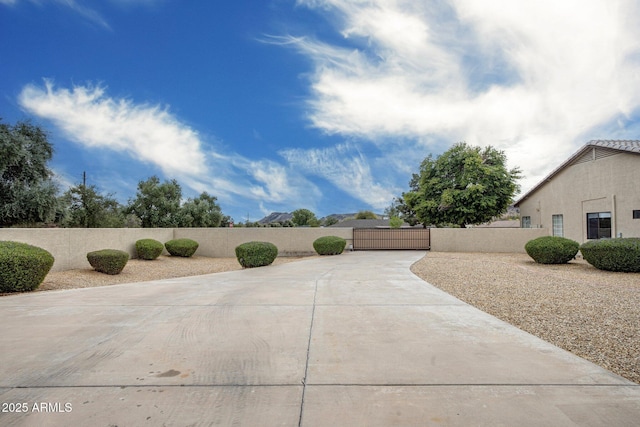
(599, 225)
(636, 214)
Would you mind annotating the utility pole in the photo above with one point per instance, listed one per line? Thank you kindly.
(84, 199)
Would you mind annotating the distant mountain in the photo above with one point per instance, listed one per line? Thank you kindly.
(276, 217)
(340, 217)
(286, 216)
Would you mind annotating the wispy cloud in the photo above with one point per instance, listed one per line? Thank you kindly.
(150, 133)
(534, 79)
(346, 168)
(89, 117)
(80, 7)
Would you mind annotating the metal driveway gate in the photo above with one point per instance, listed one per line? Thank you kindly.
(390, 238)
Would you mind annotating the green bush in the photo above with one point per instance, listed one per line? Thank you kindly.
(552, 249)
(148, 249)
(621, 254)
(22, 267)
(329, 245)
(109, 261)
(395, 222)
(181, 247)
(256, 254)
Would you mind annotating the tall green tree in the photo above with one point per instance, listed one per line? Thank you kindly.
(329, 221)
(156, 204)
(304, 218)
(465, 185)
(366, 215)
(202, 211)
(27, 192)
(85, 207)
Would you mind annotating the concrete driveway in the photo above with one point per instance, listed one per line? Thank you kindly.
(351, 340)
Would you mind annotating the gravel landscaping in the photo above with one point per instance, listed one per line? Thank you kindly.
(592, 313)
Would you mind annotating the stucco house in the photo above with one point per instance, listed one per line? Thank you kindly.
(594, 194)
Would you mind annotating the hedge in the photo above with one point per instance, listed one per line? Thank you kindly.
(22, 267)
(619, 254)
(329, 245)
(108, 261)
(181, 247)
(149, 249)
(552, 249)
(256, 254)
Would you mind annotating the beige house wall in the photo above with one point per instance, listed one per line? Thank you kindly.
(508, 240)
(609, 184)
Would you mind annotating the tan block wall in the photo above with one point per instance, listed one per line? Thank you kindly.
(222, 242)
(70, 246)
(509, 240)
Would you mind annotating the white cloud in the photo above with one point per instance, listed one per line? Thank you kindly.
(90, 117)
(147, 132)
(276, 184)
(346, 168)
(532, 79)
(87, 12)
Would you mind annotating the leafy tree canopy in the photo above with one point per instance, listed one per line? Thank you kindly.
(203, 211)
(366, 215)
(395, 222)
(84, 206)
(304, 217)
(27, 193)
(156, 204)
(465, 185)
(330, 221)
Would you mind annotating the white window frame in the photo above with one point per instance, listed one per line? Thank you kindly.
(557, 222)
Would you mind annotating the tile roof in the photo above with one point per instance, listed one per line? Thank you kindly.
(617, 144)
(629, 145)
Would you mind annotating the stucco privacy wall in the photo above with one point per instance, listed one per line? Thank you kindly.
(221, 242)
(69, 246)
(509, 240)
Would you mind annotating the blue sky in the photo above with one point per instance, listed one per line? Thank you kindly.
(329, 105)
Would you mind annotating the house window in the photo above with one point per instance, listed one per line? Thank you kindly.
(526, 222)
(636, 214)
(558, 229)
(599, 225)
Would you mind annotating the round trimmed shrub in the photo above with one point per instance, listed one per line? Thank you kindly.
(181, 247)
(22, 267)
(552, 249)
(149, 249)
(256, 254)
(329, 245)
(620, 254)
(109, 261)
